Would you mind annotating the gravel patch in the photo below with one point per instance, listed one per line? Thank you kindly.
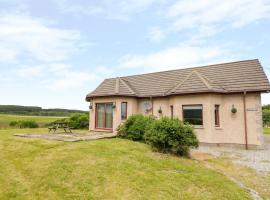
(256, 159)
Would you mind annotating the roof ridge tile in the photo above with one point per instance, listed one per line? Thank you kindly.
(126, 85)
(172, 90)
(203, 80)
(117, 85)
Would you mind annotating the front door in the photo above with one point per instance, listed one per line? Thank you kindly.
(104, 116)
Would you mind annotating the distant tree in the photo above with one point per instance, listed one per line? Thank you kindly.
(266, 107)
(266, 117)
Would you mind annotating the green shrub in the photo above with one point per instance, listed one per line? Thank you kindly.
(134, 127)
(79, 121)
(266, 107)
(171, 135)
(24, 124)
(28, 124)
(266, 117)
(76, 121)
(13, 123)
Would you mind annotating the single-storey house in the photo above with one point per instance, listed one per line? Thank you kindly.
(221, 101)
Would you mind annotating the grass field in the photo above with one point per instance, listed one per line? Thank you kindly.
(103, 169)
(266, 130)
(41, 120)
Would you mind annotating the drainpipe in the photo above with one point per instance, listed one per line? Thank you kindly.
(245, 119)
(152, 102)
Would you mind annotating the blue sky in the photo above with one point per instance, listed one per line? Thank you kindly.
(52, 53)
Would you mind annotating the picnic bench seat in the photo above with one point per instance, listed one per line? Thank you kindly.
(60, 125)
(52, 128)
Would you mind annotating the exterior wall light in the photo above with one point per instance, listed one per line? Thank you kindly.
(159, 110)
(91, 106)
(114, 105)
(233, 110)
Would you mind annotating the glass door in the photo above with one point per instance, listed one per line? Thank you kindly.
(109, 116)
(100, 120)
(104, 115)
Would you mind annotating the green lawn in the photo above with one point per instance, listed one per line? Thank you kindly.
(41, 120)
(103, 169)
(266, 130)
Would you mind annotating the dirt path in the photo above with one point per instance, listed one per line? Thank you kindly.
(253, 193)
(207, 159)
(248, 169)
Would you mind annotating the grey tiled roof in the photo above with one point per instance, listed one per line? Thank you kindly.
(247, 75)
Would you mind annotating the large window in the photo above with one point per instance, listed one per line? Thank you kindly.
(193, 114)
(123, 110)
(217, 120)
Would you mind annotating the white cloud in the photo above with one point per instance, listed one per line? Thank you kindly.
(22, 36)
(104, 70)
(206, 31)
(37, 49)
(265, 98)
(7, 55)
(237, 13)
(57, 68)
(30, 72)
(206, 18)
(56, 76)
(175, 57)
(111, 9)
(156, 34)
(5, 79)
(70, 80)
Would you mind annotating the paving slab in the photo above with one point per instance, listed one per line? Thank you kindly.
(69, 137)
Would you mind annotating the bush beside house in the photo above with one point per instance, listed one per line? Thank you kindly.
(134, 127)
(164, 134)
(171, 136)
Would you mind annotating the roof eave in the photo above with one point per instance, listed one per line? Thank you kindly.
(89, 97)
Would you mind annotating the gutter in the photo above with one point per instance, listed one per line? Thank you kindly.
(245, 119)
(172, 94)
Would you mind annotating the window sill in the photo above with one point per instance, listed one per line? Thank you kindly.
(218, 128)
(198, 127)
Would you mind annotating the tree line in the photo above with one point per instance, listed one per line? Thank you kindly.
(36, 111)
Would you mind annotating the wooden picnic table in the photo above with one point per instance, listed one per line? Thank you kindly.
(60, 125)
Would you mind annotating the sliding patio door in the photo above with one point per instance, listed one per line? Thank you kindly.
(104, 116)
